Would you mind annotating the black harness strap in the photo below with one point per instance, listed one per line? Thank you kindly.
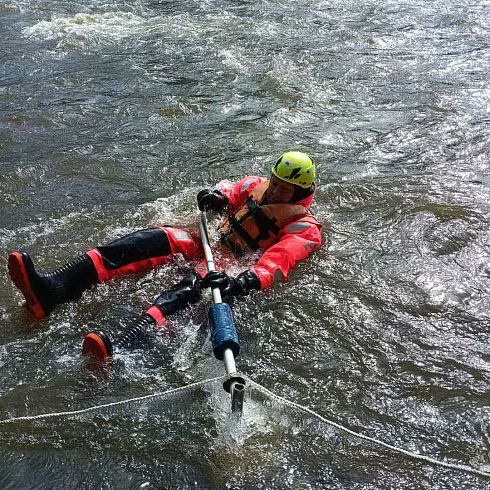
(264, 223)
(235, 225)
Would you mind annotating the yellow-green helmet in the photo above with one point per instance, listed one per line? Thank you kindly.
(296, 168)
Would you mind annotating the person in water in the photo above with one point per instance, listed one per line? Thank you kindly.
(268, 216)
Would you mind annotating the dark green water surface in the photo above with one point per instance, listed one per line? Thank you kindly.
(114, 115)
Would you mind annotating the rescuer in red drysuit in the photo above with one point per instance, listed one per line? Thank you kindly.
(269, 216)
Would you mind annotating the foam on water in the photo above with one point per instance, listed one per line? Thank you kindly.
(84, 27)
(90, 28)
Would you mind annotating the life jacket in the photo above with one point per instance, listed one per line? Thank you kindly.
(256, 226)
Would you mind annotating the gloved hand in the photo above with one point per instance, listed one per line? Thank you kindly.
(214, 200)
(230, 286)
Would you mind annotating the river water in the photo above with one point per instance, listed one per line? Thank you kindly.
(115, 114)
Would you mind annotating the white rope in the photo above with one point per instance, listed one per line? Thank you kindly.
(114, 404)
(453, 466)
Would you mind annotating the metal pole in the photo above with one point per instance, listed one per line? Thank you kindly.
(235, 385)
(208, 254)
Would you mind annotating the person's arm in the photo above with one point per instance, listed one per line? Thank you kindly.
(239, 191)
(229, 196)
(296, 242)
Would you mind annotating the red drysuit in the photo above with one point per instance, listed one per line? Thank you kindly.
(140, 251)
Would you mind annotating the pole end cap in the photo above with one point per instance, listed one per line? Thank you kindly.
(233, 379)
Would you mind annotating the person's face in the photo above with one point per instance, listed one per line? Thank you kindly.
(279, 191)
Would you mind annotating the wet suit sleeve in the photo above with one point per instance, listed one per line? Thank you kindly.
(238, 192)
(296, 242)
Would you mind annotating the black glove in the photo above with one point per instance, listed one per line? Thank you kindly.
(213, 200)
(230, 286)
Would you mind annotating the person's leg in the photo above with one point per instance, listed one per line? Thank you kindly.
(136, 252)
(42, 292)
(141, 251)
(98, 346)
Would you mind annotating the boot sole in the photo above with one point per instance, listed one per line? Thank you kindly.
(18, 274)
(94, 347)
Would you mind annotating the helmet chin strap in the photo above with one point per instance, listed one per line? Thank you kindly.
(300, 192)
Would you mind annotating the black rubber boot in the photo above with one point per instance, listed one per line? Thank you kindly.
(97, 345)
(43, 292)
(136, 333)
(97, 348)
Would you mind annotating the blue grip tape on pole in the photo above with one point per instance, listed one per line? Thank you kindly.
(223, 332)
